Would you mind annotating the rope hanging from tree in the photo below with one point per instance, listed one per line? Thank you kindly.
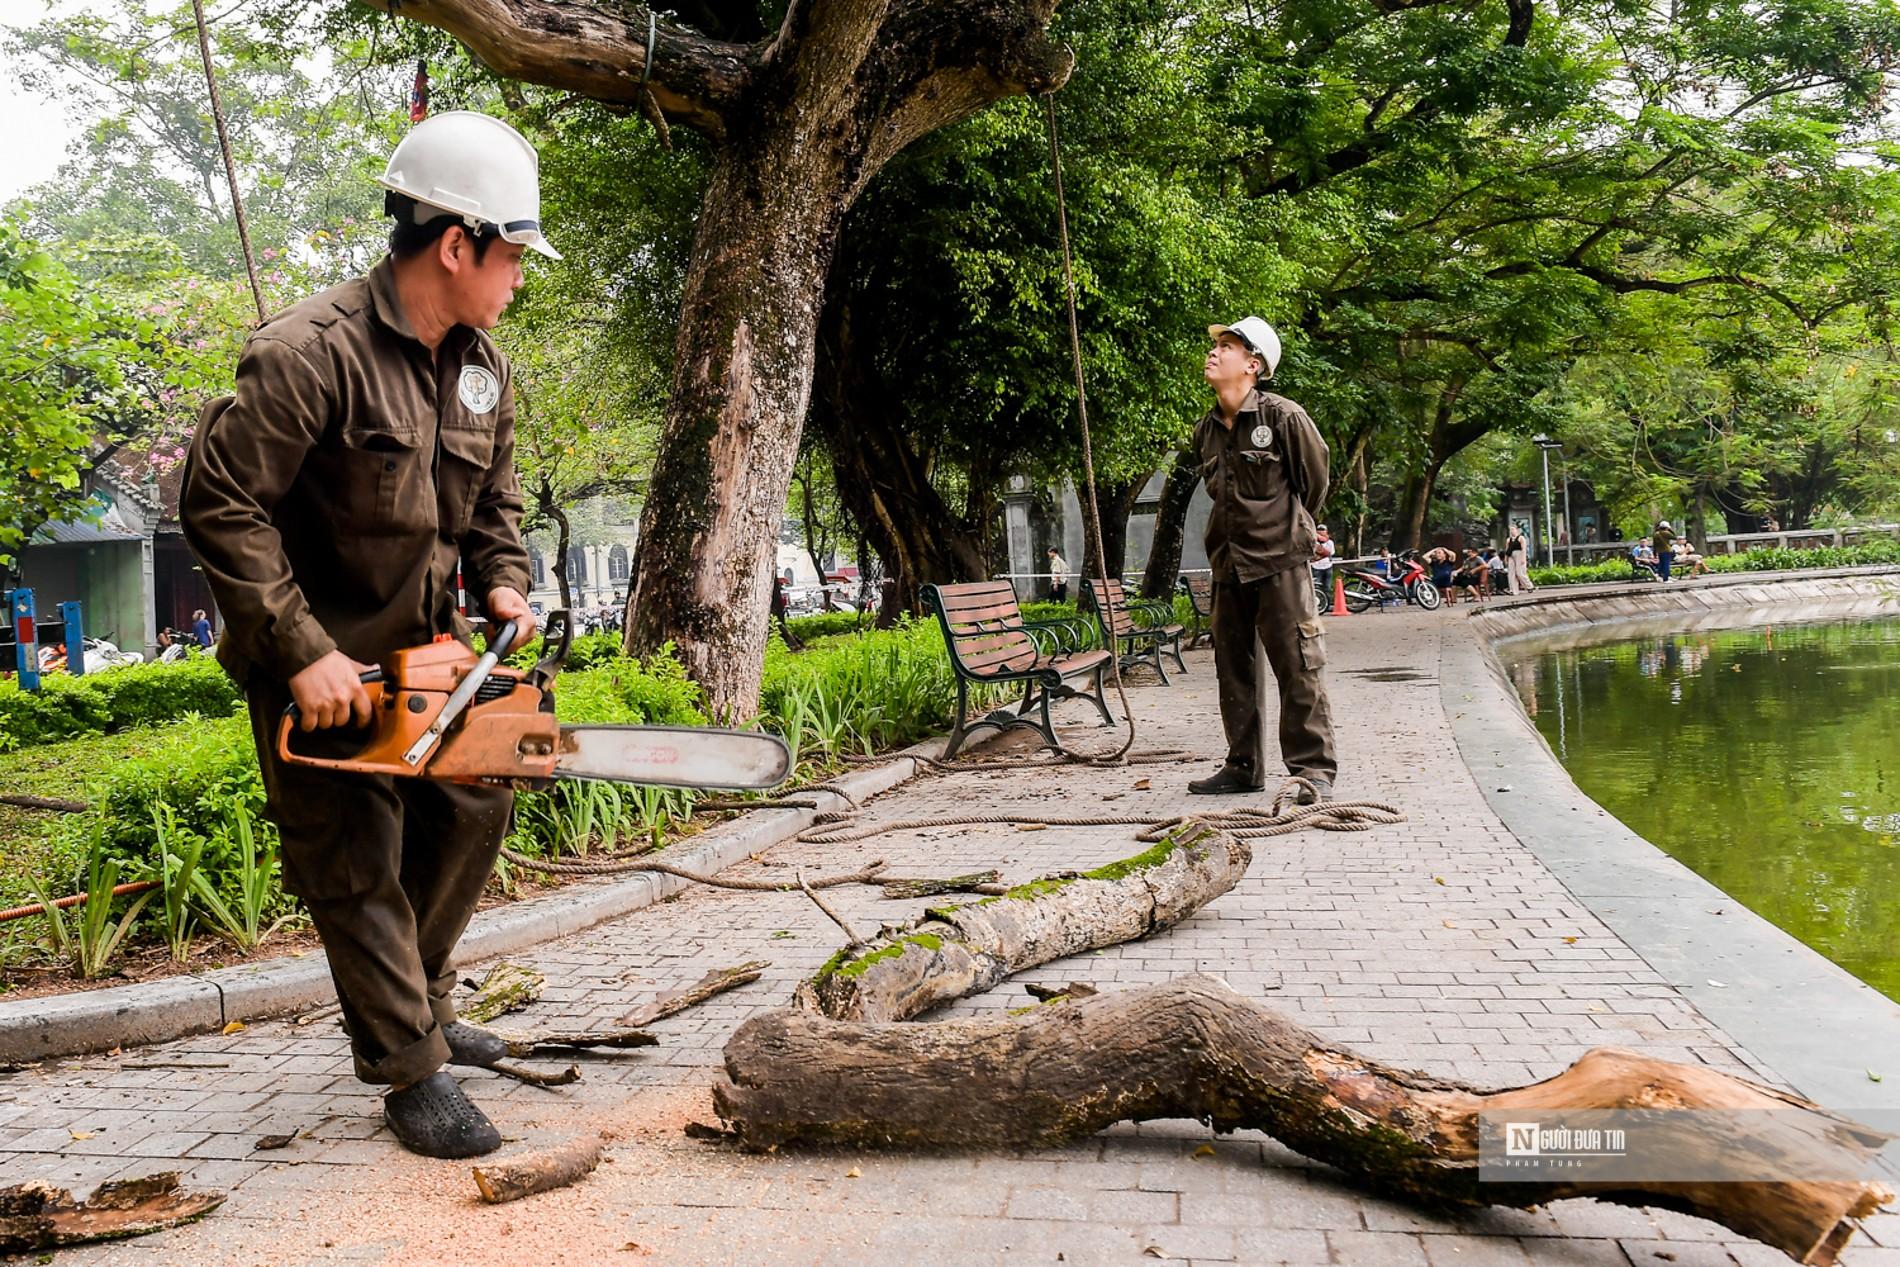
(230, 166)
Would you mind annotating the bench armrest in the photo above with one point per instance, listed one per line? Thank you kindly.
(1059, 636)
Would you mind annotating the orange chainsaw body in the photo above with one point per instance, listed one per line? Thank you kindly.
(504, 736)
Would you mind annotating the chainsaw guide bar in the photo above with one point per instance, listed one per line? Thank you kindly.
(441, 712)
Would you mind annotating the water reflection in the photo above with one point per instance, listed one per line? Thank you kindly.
(1756, 756)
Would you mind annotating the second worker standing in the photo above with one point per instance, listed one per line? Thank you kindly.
(1266, 471)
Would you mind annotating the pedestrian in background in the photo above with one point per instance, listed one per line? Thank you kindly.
(1058, 577)
(1517, 567)
(1665, 544)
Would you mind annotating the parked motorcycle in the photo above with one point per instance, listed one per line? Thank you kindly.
(101, 654)
(1366, 589)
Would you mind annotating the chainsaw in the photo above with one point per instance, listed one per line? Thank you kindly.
(441, 712)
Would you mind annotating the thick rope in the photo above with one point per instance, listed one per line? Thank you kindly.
(871, 874)
(1088, 449)
(1060, 757)
(230, 167)
(1282, 818)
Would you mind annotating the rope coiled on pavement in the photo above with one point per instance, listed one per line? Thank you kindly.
(1282, 818)
(871, 874)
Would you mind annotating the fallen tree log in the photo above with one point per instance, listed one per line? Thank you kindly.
(39, 1216)
(1194, 1048)
(511, 1178)
(954, 951)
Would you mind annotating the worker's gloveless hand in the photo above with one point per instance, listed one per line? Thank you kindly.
(329, 692)
(506, 603)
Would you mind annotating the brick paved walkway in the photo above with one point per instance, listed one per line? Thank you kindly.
(1440, 944)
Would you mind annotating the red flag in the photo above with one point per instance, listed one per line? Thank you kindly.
(419, 94)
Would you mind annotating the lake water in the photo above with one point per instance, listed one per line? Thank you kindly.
(1766, 759)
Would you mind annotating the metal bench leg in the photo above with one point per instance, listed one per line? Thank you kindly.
(1029, 698)
(1175, 651)
(958, 731)
(1108, 718)
(1048, 726)
(1154, 657)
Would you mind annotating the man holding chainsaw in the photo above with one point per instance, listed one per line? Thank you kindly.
(368, 450)
(1266, 471)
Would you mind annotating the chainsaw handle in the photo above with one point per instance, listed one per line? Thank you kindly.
(287, 725)
(366, 677)
(504, 639)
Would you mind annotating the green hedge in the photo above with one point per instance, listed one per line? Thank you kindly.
(66, 707)
(1761, 559)
(828, 624)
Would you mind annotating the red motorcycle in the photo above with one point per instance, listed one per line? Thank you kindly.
(1366, 589)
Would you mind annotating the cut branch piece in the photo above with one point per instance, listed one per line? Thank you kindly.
(1194, 1048)
(507, 987)
(44, 802)
(535, 1077)
(511, 1178)
(523, 1046)
(1050, 993)
(40, 1216)
(924, 886)
(713, 983)
(955, 951)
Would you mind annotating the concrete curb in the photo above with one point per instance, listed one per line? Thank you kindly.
(198, 1003)
(1808, 1020)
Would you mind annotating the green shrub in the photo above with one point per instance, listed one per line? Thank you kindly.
(1760, 559)
(66, 707)
(583, 652)
(828, 624)
(622, 691)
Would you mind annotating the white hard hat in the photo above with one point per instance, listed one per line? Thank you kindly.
(475, 166)
(1259, 337)
(1663, 524)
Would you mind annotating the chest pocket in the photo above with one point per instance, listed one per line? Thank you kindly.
(382, 485)
(467, 451)
(1257, 473)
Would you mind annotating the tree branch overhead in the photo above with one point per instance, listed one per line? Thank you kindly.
(586, 49)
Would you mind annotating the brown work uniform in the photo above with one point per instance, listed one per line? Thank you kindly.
(1267, 476)
(328, 503)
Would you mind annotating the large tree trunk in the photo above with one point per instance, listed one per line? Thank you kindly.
(1116, 500)
(881, 478)
(1194, 1048)
(1414, 505)
(563, 536)
(741, 382)
(1164, 558)
(1446, 439)
(798, 124)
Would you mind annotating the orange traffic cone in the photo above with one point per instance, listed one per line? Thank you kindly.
(1339, 596)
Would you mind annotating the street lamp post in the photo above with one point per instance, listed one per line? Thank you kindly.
(1545, 444)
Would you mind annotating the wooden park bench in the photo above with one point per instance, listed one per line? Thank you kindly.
(1137, 641)
(1200, 596)
(991, 643)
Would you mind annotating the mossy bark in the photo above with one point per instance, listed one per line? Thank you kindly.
(1194, 1048)
(960, 950)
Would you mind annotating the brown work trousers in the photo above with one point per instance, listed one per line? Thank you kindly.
(391, 870)
(1278, 613)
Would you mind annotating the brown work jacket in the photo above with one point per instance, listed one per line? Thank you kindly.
(329, 500)
(1267, 478)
